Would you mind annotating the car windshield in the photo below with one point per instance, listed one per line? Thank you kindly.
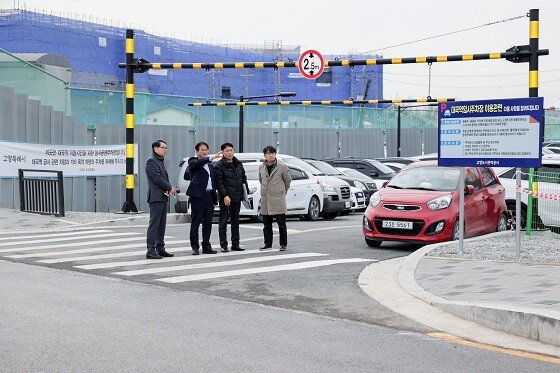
(356, 174)
(303, 165)
(381, 167)
(326, 168)
(427, 178)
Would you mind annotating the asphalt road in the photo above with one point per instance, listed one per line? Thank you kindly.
(88, 300)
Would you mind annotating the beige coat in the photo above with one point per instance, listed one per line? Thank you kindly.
(274, 188)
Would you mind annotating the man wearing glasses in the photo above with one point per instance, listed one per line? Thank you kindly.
(159, 191)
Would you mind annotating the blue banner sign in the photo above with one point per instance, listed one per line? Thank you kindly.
(494, 133)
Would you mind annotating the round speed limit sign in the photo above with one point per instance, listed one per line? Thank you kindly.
(311, 64)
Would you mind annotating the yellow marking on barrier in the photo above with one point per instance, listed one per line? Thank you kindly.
(396, 101)
(241, 104)
(176, 65)
(129, 119)
(197, 66)
(259, 65)
(129, 90)
(534, 79)
(129, 150)
(285, 102)
(348, 102)
(345, 62)
(533, 29)
(373, 101)
(482, 346)
(396, 60)
(306, 102)
(468, 57)
(441, 100)
(129, 181)
(262, 103)
(197, 104)
(218, 65)
(371, 61)
(326, 102)
(220, 104)
(496, 55)
(239, 65)
(156, 66)
(280, 64)
(441, 58)
(535, 189)
(421, 59)
(422, 100)
(129, 45)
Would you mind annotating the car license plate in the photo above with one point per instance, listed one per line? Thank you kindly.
(397, 224)
(347, 204)
(360, 200)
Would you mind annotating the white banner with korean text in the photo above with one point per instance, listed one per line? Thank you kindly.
(72, 160)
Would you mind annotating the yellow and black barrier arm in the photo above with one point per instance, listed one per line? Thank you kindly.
(322, 102)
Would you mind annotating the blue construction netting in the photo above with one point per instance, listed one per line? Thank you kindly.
(95, 50)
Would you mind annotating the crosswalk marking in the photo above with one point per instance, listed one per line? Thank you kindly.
(42, 247)
(114, 255)
(165, 260)
(73, 233)
(285, 267)
(215, 264)
(140, 240)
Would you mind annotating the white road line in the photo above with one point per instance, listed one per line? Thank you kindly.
(166, 260)
(215, 264)
(78, 251)
(80, 242)
(60, 239)
(260, 227)
(115, 255)
(285, 267)
(73, 233)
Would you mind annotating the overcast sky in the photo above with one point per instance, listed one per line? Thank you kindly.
(391, 28)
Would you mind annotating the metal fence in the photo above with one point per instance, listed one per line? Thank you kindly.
(41, 194)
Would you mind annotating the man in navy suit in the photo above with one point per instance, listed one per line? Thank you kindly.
(159, 191)
(202, 197)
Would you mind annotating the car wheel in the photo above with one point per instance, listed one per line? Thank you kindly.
(257, 218)
(373, 243)
(329, 215)
(502, 223)
(512, 214)
(455, 233)
(313, 209)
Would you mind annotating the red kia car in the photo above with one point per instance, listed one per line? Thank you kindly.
(420, 205)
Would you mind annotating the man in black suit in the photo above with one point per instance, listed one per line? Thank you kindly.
(159, 191)
(202, 197)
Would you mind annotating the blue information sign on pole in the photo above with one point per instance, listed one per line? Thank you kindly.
(494, 133)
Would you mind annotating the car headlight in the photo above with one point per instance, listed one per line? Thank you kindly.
(439, 203)
(252, 190)
(359, 184)
(375, 199)
(326, 187)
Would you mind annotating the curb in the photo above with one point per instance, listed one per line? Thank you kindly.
(539, 325)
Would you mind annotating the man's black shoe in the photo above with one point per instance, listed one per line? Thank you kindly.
(237, 248)
(209, 251)
(282, 247)
(153, 255)
(225, 249)
(265, 248)
(195, 252)
(164, 253)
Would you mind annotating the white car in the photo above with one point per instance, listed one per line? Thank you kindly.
(548, 183)
(303, 198)
(358, 199)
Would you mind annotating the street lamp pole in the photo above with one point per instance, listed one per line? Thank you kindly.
(242, 100)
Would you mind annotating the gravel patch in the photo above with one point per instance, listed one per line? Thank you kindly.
(541, 247)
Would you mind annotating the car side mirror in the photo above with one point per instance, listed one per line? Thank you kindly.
(373, 174)
(469, 189)
(385, 184)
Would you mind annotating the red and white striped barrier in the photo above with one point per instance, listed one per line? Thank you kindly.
(554, 197)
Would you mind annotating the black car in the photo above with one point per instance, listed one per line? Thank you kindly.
(367, 187)
(369, 167)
